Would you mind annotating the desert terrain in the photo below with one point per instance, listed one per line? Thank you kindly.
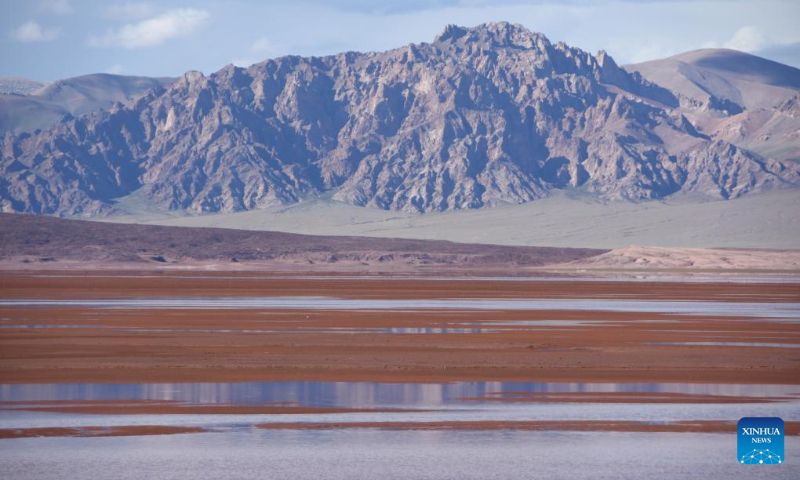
(578, 220)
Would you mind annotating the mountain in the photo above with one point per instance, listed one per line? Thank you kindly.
(46, 105)
(732, 96)
(721, 79)
(19, 86)
(773, 132)
(480, 117)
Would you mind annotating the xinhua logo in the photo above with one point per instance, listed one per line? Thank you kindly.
(760, 441)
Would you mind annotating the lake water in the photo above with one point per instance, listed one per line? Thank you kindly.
(753, 309)
(378, 454)
(427, 402)
(236, 449)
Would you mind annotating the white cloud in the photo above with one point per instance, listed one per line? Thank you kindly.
(643, 53)
(31, 31)
(262, 46)
(129, 11)
(116, 69)
(260, 50)
(747, 39)
(153, 31)
(59, 7)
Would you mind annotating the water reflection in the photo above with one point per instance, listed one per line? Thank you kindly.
(764, 310)
(355, 394)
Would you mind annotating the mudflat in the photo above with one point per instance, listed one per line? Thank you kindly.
(83, 343)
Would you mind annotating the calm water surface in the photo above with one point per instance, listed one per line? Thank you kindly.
(377, 454)
(769, 310)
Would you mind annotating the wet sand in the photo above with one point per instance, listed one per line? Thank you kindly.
(181, 345)
(120, 431)
(791, 428)
(98, 284)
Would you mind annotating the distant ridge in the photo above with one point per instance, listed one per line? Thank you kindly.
(47, 104)
(35, 240)
(719, 76)
(19, 86)
(749, 101)
(481, 117)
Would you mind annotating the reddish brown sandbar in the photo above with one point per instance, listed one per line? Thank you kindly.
(121, 431)
(621, 397)
(205, 410)
(150, 346)
(700, 426)
(621, 352)
(91, 285)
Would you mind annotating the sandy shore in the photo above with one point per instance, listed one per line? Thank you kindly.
(645, 258)
(126, 346)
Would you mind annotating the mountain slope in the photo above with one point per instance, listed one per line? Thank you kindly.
(723, 79)
(773, 132)
(483, 116)
(46, 105)
(771, 220)
(19, 86)
(735, 97)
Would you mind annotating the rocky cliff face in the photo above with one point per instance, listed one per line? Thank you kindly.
(482, 116)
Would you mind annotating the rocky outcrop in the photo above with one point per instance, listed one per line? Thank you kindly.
(480, 117)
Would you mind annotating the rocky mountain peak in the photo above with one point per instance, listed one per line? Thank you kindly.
(484, 116)
(500, 34)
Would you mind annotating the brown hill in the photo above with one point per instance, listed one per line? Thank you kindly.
(27, 239)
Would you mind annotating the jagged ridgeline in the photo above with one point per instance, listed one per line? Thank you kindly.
(481, 116)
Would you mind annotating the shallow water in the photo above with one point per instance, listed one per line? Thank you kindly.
(355, 394)
(730, 344)
(488, 326)
(428, 402)
(237, 449)
(764, 310)
(368, 454)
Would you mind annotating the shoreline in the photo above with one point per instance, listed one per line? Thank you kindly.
(93, 432)
(699, 426)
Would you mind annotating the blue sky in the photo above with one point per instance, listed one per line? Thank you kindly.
(51, 39)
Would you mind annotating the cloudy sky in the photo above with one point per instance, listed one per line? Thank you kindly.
(51, 39)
